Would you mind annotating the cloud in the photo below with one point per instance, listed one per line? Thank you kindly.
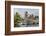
(22, 11)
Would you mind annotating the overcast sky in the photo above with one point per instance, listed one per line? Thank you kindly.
(22, 11)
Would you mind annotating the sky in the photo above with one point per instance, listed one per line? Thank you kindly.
(30, 11)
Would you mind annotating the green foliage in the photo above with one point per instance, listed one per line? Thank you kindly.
(36, 17)
(17, 18)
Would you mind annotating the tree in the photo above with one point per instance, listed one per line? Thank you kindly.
(36, 16)
(26, 14)
(17, 18)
